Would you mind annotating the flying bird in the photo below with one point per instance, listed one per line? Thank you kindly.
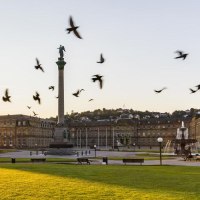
(76, 94)
(73, 28)
(192, 91)
(6, 97)
(35, 113)
(36, 97)
(29, 107)
(198, 87)
(101, 59)
(159, 91)
(38, 66)
(81, 90)
(51, 88)
(91, 100)
(97, 77)
(181, 54)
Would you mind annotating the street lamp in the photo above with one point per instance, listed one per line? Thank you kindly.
(36, 149)
(160, 140)
(95, 149)
(134, 146)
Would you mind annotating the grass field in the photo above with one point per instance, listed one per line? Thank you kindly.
(61, 181)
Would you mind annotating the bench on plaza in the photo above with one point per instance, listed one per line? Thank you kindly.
(133, 160)
(83, 160)
(188, 157)
(38, 159)
(197, 158)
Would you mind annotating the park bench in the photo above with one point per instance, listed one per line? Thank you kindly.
(197, 158)
(83, 160)
(188, 157)
(133, 160)
(38, 159)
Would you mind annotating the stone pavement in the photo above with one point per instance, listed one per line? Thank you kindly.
(176, 161)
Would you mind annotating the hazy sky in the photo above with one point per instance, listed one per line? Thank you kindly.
(138, 39)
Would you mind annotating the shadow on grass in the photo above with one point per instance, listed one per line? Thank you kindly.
(165, 178)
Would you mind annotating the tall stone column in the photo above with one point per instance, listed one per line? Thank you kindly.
(61, 63)
(61, 145)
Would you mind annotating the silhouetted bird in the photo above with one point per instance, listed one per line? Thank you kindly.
(76, 94)
(181, 55)
(73, 28)
(38, 66)
(57, 97)
(29, 107)
(159, 91)
(101, 59)
(81, 90)
(192, 91)
(91, 99)
(6, 97)
(198, 87)
(97, 77)
(35, 113)
(37, 97)
(51, 88)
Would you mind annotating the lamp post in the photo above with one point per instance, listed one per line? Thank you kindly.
(36, 149)
(160, 140)
(134, 146)
(86, 137)
(95, 149)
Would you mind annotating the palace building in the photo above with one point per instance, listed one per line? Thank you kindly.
(21, 131)
(130, 132)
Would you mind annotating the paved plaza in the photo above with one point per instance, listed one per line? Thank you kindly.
(174, 161)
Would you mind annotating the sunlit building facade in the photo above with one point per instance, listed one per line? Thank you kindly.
(21, 131)
(127, 132)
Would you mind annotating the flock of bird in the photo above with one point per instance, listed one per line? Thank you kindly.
(38, 66)
(182, 55)
(96, 77)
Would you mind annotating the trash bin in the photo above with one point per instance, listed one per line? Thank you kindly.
(13, 160)
(105, 160)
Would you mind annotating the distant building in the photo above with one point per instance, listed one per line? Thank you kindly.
(21, 131)
(140, 132)
(126, 116)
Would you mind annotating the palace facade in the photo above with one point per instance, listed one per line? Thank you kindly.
(21, 131)
(128, 132)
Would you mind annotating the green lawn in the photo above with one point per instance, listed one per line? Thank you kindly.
(64, 181)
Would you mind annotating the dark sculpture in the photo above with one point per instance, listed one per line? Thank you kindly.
(61, 51)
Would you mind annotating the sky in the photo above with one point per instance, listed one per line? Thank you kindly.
(138, 39)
